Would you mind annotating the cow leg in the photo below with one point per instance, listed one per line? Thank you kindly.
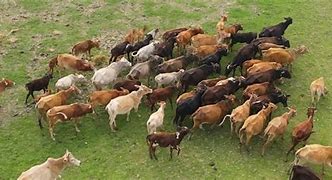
(181, 120)
(323, 169)
(51, 127)
(171, 152)
(111, 59)
(150, 150)
(170, 101)
(154, 152)
(179, 150)
(26, 99)
(112, 122)
(128, 114)
(268, 141)
(39, 122)
(248, 141)
(75, 123)
(176, 118)
(291, 149)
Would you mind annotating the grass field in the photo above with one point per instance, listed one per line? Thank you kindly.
(24, 56)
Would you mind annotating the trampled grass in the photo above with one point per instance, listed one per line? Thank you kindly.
(124, 155)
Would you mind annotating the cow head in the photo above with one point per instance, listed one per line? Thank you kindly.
(289, 20)
(69, 159)
(8, 83)
(284, 73)
(144, 89)
(229, 69)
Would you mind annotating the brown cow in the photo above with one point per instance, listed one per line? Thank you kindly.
(66, 113)
(84, 47)
(259, 89)
(105, 96)
(303, 130)
(213, 113)
(57, 99)
(4, 83)
(204, 39)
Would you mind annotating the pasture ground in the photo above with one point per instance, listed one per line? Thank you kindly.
(46, 28)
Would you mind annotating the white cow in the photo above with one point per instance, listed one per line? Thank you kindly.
(156, 119)
(124, 104)
(67, 81)
(107, 75)
(168, 78)
(50, 169)
(145, 52)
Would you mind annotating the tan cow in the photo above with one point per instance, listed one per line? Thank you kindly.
(277, 127)
(124, 104)
(51, 168)
(66, 113)
(239, 115)
(72, 63)
(57, 99)
(262, 67)
(317, 89)
(254, 124)
(105, 96)
(315, 154)
(204, 39)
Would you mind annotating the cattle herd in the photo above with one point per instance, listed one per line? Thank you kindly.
(264, 60)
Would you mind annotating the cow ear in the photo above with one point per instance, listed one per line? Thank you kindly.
(288, 95)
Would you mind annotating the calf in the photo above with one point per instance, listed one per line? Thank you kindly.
(239, 115)
(39, 96)
(216, 93)
(254, 124)
(168, 78)
(172, 33)
(130, 85)
(233, 29)
(156, 119)
(276, 30)
(124, 104)
(4, 83)
(317, 89)
(51, 168)
(109, 74)
(245, 53)
(302, 173)
(176, 64)
(84, 47)
(161, 94)
(243, 38)
(268, 76)
(212, 114)
(277, 127)
(188, 107)
(165, 49)
(165, 139)
(50, 101)
(67, 81)
(104, 97)
(302, 131)
(247, 64)
(315, 154)
(66, 113)
(118, 50)
(195, 75)
(37, 85)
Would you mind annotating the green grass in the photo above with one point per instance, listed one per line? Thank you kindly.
(124, 155)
